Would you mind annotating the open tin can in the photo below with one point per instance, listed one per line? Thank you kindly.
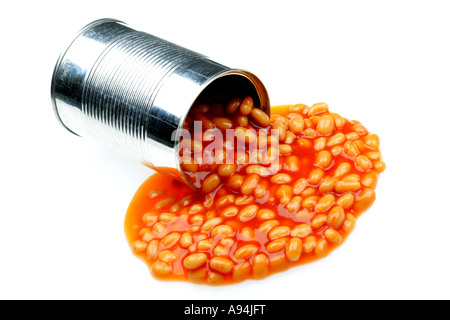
(130, 91)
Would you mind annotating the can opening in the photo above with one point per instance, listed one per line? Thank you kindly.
(237, 84)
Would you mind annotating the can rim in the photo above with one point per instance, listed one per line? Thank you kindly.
(61, 58)
(260, 89)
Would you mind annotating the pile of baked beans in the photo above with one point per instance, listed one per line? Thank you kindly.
(290, 200)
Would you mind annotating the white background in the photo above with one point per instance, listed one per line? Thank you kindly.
(385, 63)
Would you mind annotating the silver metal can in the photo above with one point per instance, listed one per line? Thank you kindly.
(129, 91)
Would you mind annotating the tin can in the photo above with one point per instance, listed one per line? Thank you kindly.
(130, 91)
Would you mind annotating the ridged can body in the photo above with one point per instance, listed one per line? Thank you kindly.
(130, 91)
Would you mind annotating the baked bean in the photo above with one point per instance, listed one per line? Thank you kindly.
(294, 249)
(246, 251)
(380, 166)
(235, 181)
(258, 169)
(279, 232)
(352, 136)
(333, 236)
(248, 213)
(325, 203)
(266, 226)
(342, 169)
(170, 240)
(167, 256)
(285, 149)
(299, 186)
(301, 230)
(281, 130)
(165, 203)
(370, 180)
(146, 234)
(261, 190)
(211, 183)
(327, 184)
(161, 268)
(320, 143)
(222, 230)
(149, 219)
(186, 240)
(246, 106)
(281, 178)
(204, 244)
(304, 143)
(310, 202)
(166, 217)
(363, 163)
(214, 278)
(202, 108)
(159, 229)
(226, 170)
(346, 201)
(315, 176)
(225, 200)
(196, 209)
(246, 234)
(250, 183)
(349, 223)
(322, 248)
(223, 123)
(337, 139)
(233, 106)
(197, 276)
(346, 186)
(323, 159)
(195, 260)
(325, 126)
(284, 194)
(260, 266)
(211, 223)
(276, 245)
(360, 129)
(317, 108)
(298, 108)
(241, 120)
(336, 217)
(261, 118)
(138, 246)
(337, 150)
(290, 137)
(152, 249)
(242, 271)
(309, 191)
(206, 122)
(292, 164)
(351, 149)
(244, 200)
(364, 200)
(318, 221)
(266, 214)
(221, 264)
(296, 125)
(373, 155)
(229, 212)
(310, 133)
(294, 204)
(309, 244)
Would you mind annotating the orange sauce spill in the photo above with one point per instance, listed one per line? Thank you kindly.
(155, 235)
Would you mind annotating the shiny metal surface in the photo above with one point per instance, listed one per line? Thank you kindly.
(130, 90)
